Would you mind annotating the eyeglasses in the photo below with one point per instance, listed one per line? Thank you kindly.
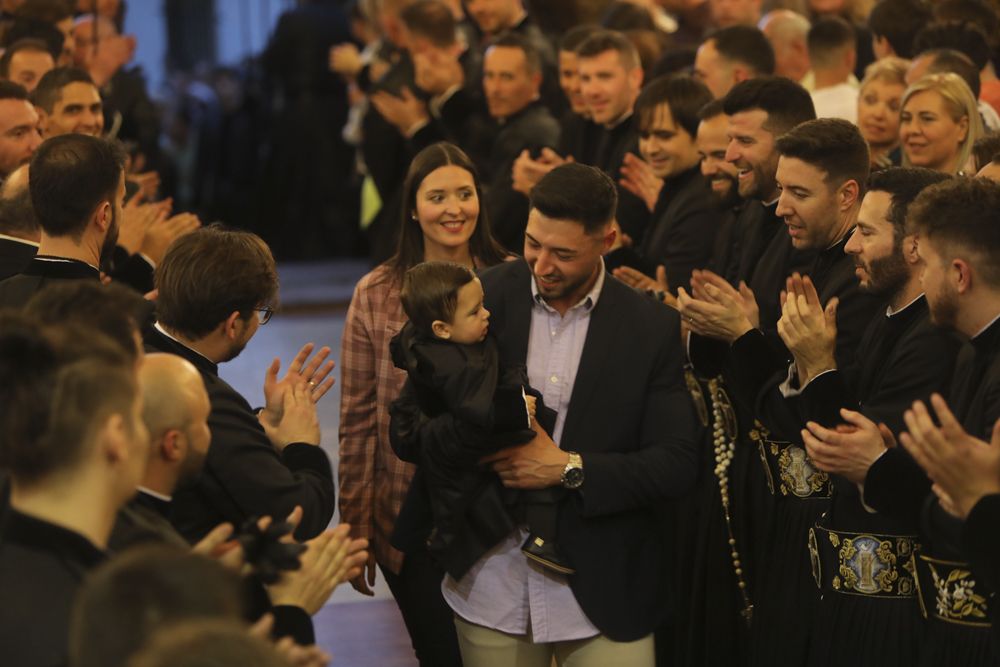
(264, 314)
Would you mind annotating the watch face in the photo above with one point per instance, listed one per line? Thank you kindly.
(573, 478)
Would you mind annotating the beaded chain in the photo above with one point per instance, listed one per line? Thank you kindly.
(724, 437)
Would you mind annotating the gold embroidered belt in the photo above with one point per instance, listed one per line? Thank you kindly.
(950, 593)
(789, 470)
(863, 563)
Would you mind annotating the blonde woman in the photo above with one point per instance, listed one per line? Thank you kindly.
(880, 99)
(939, 123)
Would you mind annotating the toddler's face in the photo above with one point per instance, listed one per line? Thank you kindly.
(471, 320)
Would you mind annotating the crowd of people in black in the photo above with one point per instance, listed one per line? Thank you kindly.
(680, 345)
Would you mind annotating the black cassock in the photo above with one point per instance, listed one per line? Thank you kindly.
(41, 568)
(956, 600)
(710, 627)
(786, 595)
(868, 611)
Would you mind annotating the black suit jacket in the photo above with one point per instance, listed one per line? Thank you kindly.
(631, 420)
(244, 476)
(15, 255)
(17, 290)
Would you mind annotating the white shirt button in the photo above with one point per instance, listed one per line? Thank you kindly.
(554, 379)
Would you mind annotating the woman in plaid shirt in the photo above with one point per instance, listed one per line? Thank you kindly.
(441, 221)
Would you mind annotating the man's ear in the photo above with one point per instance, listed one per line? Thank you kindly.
(233, 325)
(113, 439)
(961, 274)
(102, 216)
(849, 194)
(173, 446)
(909, 249)
(741, 73)
(441, 329)
(43, 121)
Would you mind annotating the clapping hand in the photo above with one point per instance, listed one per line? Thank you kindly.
(848, 450)
(638, 280)
(962, 467)
(717, 309)
(807, 328)
(639, 179)
(405, 111)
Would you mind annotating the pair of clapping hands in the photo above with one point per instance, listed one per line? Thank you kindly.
(327, 560)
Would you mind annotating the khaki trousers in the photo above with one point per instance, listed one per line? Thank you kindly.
(484, 647)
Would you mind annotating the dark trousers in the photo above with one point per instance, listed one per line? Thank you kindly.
(428, 618)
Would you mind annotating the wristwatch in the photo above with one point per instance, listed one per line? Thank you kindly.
(572, 474)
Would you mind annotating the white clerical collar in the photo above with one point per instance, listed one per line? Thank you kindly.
(155, 494)
(7, 237)
(889, 312)
(185, 345)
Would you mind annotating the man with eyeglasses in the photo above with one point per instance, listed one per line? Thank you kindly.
(215, 290)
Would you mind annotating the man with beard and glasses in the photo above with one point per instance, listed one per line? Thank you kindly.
(959, 243)
(216, 288)
(902, 357)
(77, 187)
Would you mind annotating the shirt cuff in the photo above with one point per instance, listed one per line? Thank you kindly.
(147, 259)
(416, 127)
(437, 103)
(788, 388)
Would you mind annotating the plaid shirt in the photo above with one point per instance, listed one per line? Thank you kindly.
(373, 481)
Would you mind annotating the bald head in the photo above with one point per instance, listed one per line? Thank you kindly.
(175, 408)
(788, 33)
(15, 183)
(171, 388)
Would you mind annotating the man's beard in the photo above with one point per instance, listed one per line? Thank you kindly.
(887, 276)
(731, 198)
(110, 241)
(944, 308)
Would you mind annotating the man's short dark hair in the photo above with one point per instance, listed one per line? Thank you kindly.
(70, 176)
(431, 19)
(118, 312)
(978, 12)
(211, 273)
(65, 393)
(960, 217)
(45, 11)
(430, 292)
(711, 110)
(903, 184)
(12, 91)
(899, 21)
(747, 45)
(684, 95)
(950, 60)
(514, 40)
(576, 36)
(26, 44)
(203, 643)
(127, 599)
(609, 40)
(579, 193)
(22, 28)
(828, 37)
(831, 144)
(958, 35)
(786, 103)
(986, 149)
(50, 87)
(625, 16)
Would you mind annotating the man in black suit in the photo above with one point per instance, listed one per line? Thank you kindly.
(622, 443)
(215, 290)
(77, 187)
(19, 231)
